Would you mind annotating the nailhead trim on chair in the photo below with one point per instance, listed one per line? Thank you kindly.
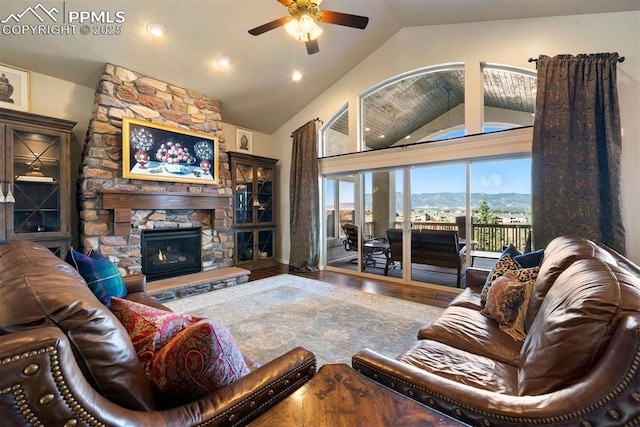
(292, 381)
(19, 394)
(613, 414)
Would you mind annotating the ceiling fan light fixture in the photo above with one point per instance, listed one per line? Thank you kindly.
(303, 28)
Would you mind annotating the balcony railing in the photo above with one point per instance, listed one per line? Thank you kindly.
(488, 237)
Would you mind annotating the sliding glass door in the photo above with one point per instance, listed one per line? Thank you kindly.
(340, 209)
(419, 224)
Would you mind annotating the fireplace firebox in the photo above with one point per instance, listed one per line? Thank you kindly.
(171, 252)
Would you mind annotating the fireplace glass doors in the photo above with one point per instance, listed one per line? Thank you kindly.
(171, 252)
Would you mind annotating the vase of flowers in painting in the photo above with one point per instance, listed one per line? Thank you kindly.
(142, 141)
(142, 157)
(204, 151)
(205, 165)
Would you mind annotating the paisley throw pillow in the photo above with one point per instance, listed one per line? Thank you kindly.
(197, 361)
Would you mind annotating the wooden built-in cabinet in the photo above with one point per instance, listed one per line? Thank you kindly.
(35, 174)
(254, 216)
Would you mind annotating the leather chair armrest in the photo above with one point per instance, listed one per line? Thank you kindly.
(246, 399)
(607, 395)
(40, 380)
(476, 277)
(135, 283)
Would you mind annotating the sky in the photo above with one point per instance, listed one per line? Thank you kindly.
(505, 176)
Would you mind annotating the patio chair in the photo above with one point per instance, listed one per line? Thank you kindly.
(394, 257)
(352, 243)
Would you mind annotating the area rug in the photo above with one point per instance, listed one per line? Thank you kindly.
(268, 317)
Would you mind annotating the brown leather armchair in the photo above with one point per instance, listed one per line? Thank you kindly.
(66, 360)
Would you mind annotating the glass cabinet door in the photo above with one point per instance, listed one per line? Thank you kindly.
(264, 186)
(244, 193)
(244, 246)
(36, 181)
(265, 243)
(255, 245)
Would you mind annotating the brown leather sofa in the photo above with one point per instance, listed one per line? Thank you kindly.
(66, 360)
(577, 366)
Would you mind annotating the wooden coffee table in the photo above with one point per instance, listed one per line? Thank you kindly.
(339, 396)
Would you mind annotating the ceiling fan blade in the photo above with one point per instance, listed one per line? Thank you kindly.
(339, 18)
(268, 26)
(285, 2)
(312, 47)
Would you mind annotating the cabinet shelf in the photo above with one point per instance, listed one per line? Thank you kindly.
(36, 210)
(26, 180)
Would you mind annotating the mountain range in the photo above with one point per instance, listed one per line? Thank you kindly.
(508, 202)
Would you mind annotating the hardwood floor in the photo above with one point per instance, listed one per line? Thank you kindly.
(418, 294)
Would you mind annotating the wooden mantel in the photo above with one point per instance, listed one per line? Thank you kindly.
(123, 201)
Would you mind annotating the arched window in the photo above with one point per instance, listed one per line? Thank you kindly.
(509, 97)
(335, 134)
(411, 107)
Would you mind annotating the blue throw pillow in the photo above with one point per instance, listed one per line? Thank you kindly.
(511, 250)
(530, 259)
(101, 275)
(527, 260)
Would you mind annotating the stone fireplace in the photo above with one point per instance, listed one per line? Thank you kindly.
(114, 211)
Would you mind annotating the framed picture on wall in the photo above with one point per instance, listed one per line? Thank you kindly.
(155, 152)
(14, 88)
(244, 141)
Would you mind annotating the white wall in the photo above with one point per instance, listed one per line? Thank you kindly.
(509, 42)
(65, 100)
(263, 144)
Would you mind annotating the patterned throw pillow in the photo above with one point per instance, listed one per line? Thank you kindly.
(149, 328)
(101, 275)
(507, 303)
(504, 264)
(202, 358)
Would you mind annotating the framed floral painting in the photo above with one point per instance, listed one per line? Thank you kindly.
(156, 152)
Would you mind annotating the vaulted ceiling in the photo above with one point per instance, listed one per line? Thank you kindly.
(256, 91)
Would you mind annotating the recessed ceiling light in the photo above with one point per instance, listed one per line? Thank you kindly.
(155, 29)
(297, 75)
(224, 61)
(367, 129)
(381, 136)
(407, 137)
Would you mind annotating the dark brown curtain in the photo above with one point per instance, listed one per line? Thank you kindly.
(576, 151)
(304, 198)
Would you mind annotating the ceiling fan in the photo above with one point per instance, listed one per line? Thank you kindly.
(302, 24)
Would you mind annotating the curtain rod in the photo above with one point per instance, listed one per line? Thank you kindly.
(317, 119)
(621, 59)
